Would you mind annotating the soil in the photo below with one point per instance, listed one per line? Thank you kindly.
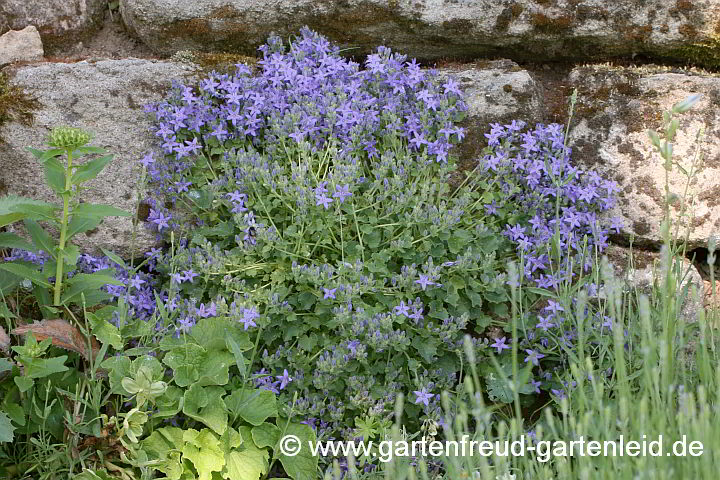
(112, 41)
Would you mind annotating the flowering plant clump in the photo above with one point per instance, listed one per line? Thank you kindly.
(323, 222)
(553, 212)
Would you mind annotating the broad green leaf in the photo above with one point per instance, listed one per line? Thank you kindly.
(13, 209)
(118, 367)
(105, 332)
(89, 170)
(10, 240)
(24, 383)
(266, 435)
(21, 270)
(41, 238)
(43, 155)
(169, 403)
(16, 413)
(79, 151)
(80, 224)
(252, 405)
(203, 450)
(205, 404)
(165, 444)
(43, 367)
(186, 361)
(302, 466)
(230, 439)
(55, 175)
(99, 211)
(7, 431)
(247, 463)
(8, 282)
(86, 282)
(216, 369)
(212, 332)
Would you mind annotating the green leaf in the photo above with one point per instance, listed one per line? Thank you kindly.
(55, 175)
(112, 256)
(7, 431)
(203, 450)
(252, 405)
(21, 270)
(80, 151)
(41, 238)
(105, 332)
(212, 332)
(24, 383)
(247, 463)
(43, 155)
(90, 170)
(458, 241)
(10, 240)
(92, 475)
(86, 282)
(13, 209)
(266, 435)
(99, 211)
(43, 367)
(216, 369)
(186, 362)
(302, 466)
(205, 404)
(239, 358)
(79, 224)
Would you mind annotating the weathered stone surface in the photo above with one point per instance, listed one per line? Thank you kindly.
(105, 98)
(495, 91)
(58, 21)
(616, 108)
(21, 45)
(548, 30)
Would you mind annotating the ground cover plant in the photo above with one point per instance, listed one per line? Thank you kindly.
(325, 261)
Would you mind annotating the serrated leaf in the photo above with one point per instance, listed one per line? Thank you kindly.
(54, 175)
(41, 238)
(11, 240)
(252, 405)
(13, 208)
(80, 224)
(26, 272)
(205, 404)
(90, 170)
(86, 282)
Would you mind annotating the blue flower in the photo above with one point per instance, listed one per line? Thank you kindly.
(422, 396)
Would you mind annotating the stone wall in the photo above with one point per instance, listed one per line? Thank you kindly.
(514, 59)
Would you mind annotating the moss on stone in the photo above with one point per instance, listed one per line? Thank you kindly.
(545, 24)
(15, 104)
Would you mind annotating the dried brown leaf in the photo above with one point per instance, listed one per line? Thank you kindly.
(63, 335)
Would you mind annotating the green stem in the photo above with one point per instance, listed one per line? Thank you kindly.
(63, 230)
